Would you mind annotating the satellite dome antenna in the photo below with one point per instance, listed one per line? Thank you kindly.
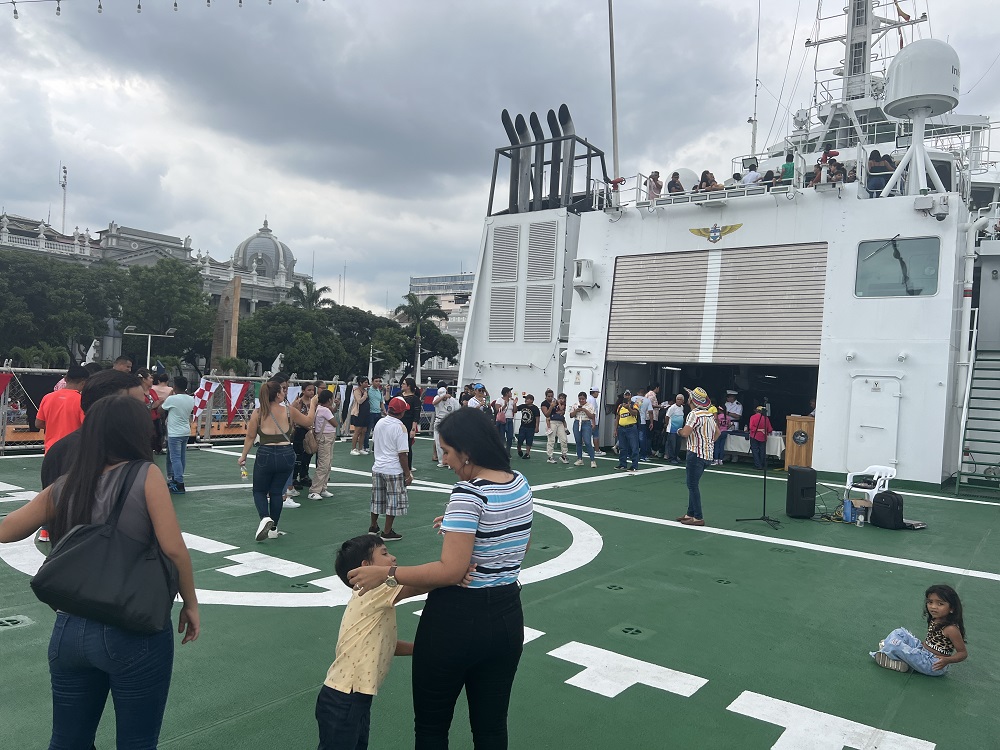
(922, 82)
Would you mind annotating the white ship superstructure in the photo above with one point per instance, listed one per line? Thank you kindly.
(862, 302)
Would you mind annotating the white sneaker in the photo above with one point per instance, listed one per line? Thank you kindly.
(355, 452)
(365, 452)
(564, 459)
(600, 453)
(289, 503)
(441, 466)
(593, 464)
(326, 493)
(292, 492)
(550, 460)
(266, 524)
(274, 534)
(315, 496)
(578, 462)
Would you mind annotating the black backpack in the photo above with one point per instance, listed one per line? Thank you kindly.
(887, 511)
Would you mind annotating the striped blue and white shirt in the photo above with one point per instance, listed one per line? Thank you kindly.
(499, 514)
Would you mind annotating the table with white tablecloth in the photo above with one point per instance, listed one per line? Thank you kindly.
(739, 443)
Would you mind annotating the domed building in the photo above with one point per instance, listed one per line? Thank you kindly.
(264, 253)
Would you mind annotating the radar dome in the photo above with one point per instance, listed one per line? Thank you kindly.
(925, 74)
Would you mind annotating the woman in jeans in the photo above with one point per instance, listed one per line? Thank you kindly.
(272, 468)
(583, 429)
(326, 433)
(87, 658)
(469, 637)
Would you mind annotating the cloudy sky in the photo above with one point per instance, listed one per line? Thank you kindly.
(365, 132)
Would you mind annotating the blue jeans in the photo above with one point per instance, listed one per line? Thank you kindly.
(672, 446)
(643, 441)
(86, 660)
(695, 468)
(903, 645)
(373, 418)
(628, 446)
(759, 450)
(344, 719)
(176, 458)
(271, 470)
(719, 452)
(506, 430)
(583, 434)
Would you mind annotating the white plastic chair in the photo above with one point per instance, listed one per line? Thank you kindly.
(880, 476)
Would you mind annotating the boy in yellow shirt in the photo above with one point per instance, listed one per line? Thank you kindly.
(365, 647)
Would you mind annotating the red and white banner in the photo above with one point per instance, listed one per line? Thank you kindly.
(203, 396)
(235, 393)
(5, 378)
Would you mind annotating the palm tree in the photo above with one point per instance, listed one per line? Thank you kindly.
(310, 298)
(416, 311)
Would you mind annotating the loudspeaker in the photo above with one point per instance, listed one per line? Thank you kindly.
(800, 502)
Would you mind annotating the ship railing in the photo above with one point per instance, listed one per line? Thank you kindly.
(967, 396)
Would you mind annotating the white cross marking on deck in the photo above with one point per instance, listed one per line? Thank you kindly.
(17, 497)
(255, 562)
(806, 729)
(530, 634)
(4, 487)
(201, 544)
(609, 674)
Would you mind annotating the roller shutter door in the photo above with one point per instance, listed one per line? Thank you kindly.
(761, 305)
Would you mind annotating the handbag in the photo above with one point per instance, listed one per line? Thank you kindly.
(309, 444)
(99, 573)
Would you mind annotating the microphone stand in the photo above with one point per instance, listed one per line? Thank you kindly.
(772, 522)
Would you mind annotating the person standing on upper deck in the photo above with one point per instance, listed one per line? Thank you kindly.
(654, 186)
(752, 177)
(787, 173)
(674, 186)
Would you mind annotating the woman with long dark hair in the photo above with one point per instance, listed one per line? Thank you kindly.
(409, 392)
(468, 637)
(87, 658)
(275, 456)
(302, 480)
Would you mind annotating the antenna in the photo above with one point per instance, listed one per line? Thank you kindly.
(756, 88)
(63, 179)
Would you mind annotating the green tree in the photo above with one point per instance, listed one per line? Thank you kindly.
(43, 300)
(394, 346)
(418, 312)
(310, 297)
(303, 336)
(169, 295)
(356, 330)
(434, 343)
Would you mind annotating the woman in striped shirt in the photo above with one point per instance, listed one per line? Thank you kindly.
(469, 637)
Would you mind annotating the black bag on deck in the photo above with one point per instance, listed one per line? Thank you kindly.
(99, 573)
(887, 511)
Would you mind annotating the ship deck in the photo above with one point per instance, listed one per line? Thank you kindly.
(644, 632)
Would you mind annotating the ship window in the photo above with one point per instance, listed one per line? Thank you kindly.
(858, 53)
(898, 267)
(982, 197)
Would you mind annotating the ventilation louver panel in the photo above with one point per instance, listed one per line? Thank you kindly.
(542, 251)
(505, 250)
(538, 301)
(503, 301)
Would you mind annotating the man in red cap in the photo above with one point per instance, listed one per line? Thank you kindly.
(391, 470)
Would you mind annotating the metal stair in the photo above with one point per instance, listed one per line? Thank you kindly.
(981, 433)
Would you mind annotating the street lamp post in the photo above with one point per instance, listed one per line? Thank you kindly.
(372, 359)
(168, 334)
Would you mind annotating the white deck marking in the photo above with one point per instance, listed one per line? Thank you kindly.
(609, 674)
(201, 544)
(18, 497)
(777, 540)
(807, 729)
(22, 455)
(600, 478)
(4, 487)
(256, 562)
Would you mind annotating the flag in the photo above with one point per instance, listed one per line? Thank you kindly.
(235, 393)
(5, 379)
(899, 11)
(203, 396)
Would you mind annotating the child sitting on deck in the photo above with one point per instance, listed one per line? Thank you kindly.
(944, 644)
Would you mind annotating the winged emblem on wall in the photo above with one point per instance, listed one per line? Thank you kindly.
(715, 232)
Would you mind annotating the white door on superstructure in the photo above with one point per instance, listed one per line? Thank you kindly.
(874, 422)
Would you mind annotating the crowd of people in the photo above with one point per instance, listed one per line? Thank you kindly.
(101, 439)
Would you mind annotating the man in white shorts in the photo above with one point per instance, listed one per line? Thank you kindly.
(444, 404)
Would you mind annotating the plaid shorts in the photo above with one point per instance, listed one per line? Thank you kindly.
(389, 495)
